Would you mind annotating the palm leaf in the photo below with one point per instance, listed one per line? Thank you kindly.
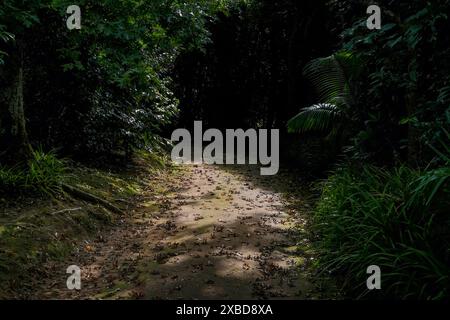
(333, 77)
(319, 117)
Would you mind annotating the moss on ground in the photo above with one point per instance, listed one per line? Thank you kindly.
(36, 231)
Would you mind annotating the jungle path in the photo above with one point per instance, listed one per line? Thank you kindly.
(211, 233)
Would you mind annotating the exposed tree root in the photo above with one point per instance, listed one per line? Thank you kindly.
(83, 195)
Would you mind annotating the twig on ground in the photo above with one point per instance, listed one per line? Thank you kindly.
(66, 210)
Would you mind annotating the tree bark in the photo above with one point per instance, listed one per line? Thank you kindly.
(14, 144)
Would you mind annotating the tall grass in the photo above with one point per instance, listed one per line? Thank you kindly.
(42, 175)
(397, 219)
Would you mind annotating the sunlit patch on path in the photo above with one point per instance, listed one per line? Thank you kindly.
(213, 234)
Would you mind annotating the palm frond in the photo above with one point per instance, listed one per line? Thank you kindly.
(318, 117)
(333, 77)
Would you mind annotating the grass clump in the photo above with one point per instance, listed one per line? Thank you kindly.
(42, 175)
(397, 219)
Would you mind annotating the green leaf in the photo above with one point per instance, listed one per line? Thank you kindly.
(319, 117)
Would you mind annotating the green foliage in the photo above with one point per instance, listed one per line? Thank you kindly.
(403, 102)
(19, 15)
(134, 49)
(42, 175)
(318, 117)
(110, 81)
(396, 219)
(433, 181)
(5, 37)
(334, 79)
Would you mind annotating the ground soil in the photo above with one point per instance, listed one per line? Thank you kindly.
(208, 233)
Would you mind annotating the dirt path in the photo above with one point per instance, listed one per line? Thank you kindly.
(214, 234)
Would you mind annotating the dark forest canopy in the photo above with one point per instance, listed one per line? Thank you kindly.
(109, 81)
(118, 81)
(366, 110)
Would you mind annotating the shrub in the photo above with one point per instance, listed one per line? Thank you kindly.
(396, 219)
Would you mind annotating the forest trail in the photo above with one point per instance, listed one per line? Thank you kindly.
(218, 233)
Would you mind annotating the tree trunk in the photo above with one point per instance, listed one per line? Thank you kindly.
(14, 144)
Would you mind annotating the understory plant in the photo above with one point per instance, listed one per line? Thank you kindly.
(42, 175)
(396, 219)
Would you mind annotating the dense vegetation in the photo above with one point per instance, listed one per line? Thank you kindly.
(107, 84)
(398, 110)
(366, 111)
